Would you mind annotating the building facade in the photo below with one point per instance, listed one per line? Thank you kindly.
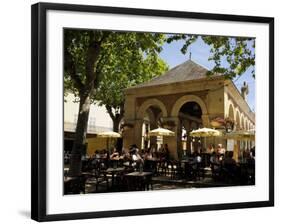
(183, 99)
(99, 121)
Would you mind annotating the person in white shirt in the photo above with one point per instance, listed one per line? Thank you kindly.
(221, 149)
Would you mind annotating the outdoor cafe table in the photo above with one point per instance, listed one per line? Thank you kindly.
(188, 163)
(114, 172)
(151, 164)
(139, 180)
(74, 184)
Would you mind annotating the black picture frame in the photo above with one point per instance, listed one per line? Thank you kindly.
(39, 114)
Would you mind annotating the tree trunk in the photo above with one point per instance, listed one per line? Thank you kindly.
(79, 145)
(116, 122)
(119, 141)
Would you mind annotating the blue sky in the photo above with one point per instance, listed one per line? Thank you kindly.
(200, 52)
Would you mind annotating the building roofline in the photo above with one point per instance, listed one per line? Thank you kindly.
(211, 78)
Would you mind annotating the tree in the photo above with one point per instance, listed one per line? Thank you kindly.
(88, 54)
(96, 59)
(125, 71)
(232, 55)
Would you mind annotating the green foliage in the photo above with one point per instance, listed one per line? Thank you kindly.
(77, 50)
(124, 59)
(129, 59)
(232, 55)
(101, 64)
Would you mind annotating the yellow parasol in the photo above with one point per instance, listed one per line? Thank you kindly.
(161, 132)
(108, 135)
(241, 135)
(205, 132)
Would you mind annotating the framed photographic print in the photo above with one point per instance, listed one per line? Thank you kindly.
(139, 111)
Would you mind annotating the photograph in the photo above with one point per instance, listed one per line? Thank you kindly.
(131, 111)
(149, 111)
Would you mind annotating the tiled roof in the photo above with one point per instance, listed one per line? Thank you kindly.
(186, 71)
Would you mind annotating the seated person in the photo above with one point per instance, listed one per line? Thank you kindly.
(97, 154)
(229, 163)
(229, 159)
(166, 152)
(148, 154)
(114, 155)
(221, 151)
(136, 158)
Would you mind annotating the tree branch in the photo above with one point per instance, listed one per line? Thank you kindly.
(93, 53)
(109, 111)
(70, 68)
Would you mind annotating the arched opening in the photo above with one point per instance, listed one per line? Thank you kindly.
(242, 123)
(150, 113)
(190, 119)
(151, 103)
(243, 143)
(231, 112)
(153, 117)
(237, 121)
(188, 98)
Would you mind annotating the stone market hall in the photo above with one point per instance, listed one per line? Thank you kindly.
(181, 100)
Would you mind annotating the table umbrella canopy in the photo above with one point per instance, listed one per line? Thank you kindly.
(218, 122)
(205, 132)
(161, 132)
(109, 134)
(241, 135)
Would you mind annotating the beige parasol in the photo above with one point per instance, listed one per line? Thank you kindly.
(161, 132)
(108, 135)
(205, 132)
(241, 135)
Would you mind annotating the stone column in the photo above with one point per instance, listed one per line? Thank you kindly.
(205, 120)
(153, 139)
(128, 134)
(138, 133)
(188, 138)
(236, 151)
(172, 123)
(129, 119)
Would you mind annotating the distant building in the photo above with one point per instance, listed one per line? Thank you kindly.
(99, 121)
(184, 99)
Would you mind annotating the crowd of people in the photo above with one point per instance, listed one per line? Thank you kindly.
(132, 156)
(217, 158)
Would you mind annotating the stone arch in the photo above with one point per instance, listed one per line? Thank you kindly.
(246, 123)
(185, 99)
(193, 126)
(148, 103)
(249, 125)
(149, 114)
(242, 122)
(237, 119)
(231, 114)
